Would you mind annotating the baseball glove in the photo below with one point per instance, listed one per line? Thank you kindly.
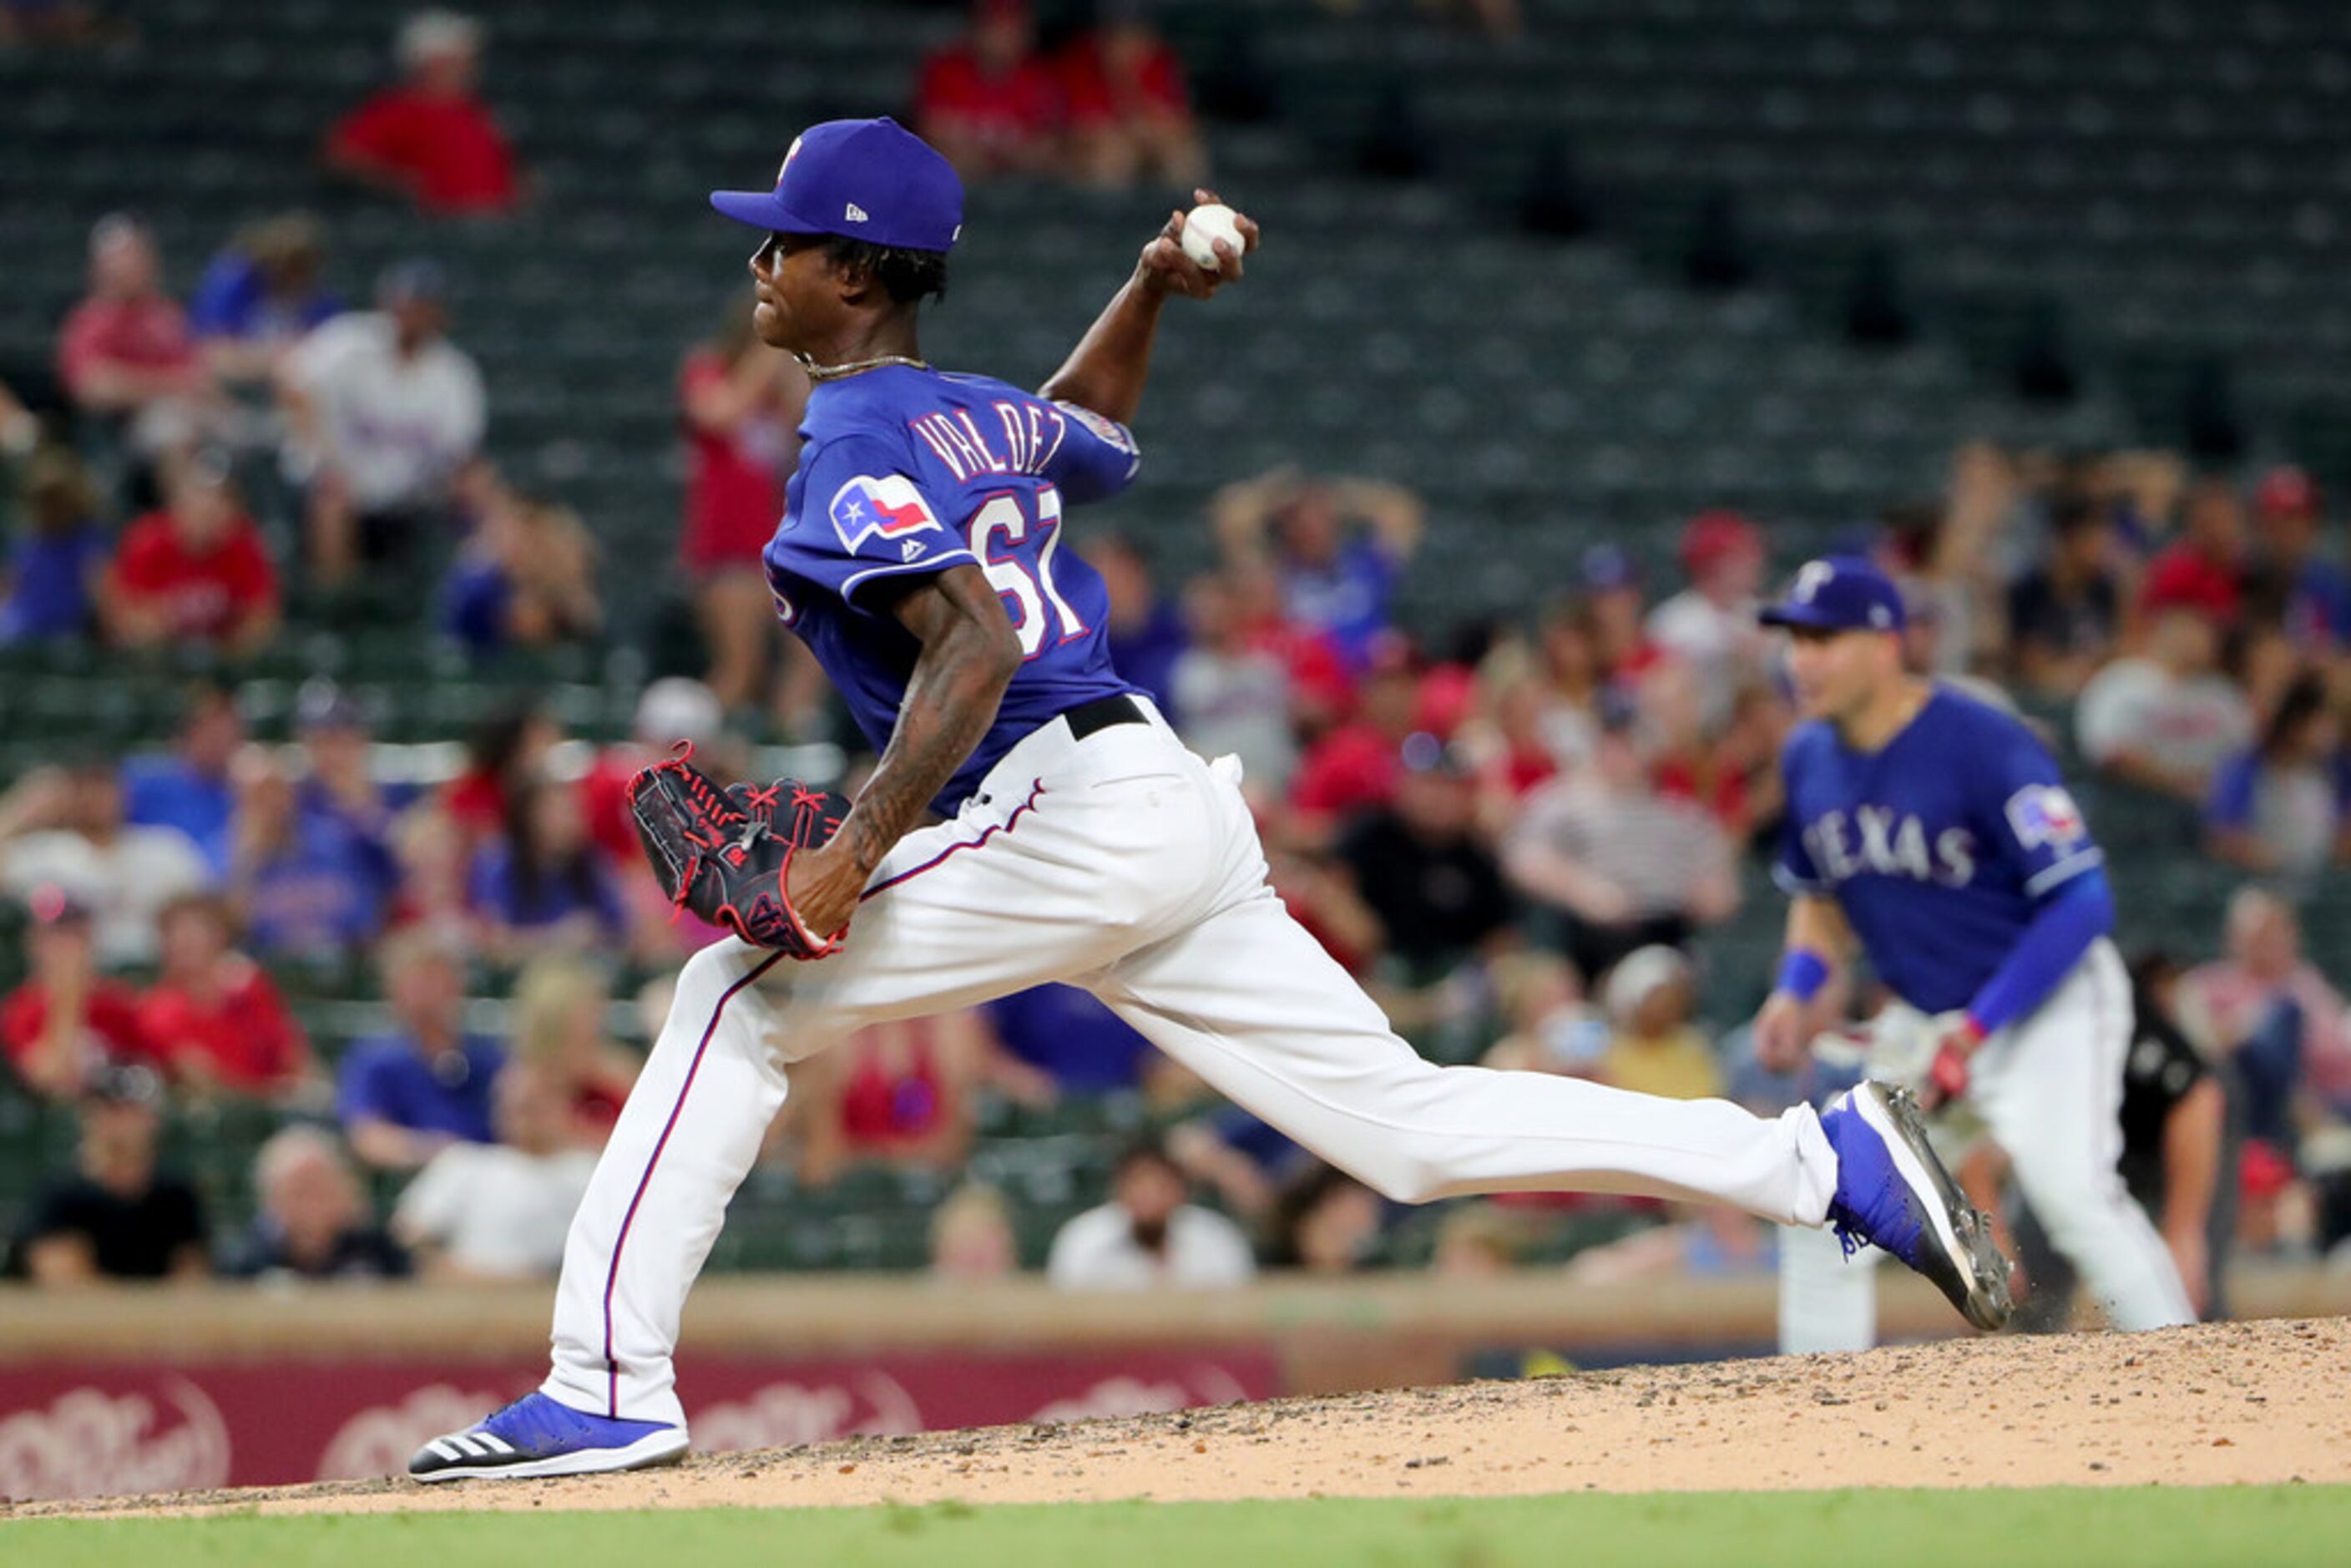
(725, 853)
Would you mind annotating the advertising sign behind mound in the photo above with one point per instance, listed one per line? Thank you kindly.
(96, 1428)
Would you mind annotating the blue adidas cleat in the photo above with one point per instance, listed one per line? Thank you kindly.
(1892, 1192)
(536, 1437)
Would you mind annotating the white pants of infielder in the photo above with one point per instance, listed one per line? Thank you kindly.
(2048, 1090)
(1127, 865)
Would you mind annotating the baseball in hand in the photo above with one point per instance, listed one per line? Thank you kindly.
(1202, 227)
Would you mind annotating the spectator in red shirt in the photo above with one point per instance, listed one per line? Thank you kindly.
(1616, 613)
(1130, 112)
(742, 403)
(126, 351)
(67, 1019)
(2205, 569)
(989, 102)
(1321, 691)
(196, 572)
(1354, 768)
(213, 1015)
(430, 137)
(504, 753)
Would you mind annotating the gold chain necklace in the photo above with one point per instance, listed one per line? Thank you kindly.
(817, 372)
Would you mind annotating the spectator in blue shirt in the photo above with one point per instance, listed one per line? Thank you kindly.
(525, 577)
(406, 1094)
(543, 885)
(1339, 544)
(260, 296)
(2312, 593)
(1065, 1033)
(189, 787)
(1148, 633)
(2285, 806)
(48, 589)
(309, 883)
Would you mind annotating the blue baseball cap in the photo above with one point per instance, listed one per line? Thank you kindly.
(1840, 594)
(863, 179)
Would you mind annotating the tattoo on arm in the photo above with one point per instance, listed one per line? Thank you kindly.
(970, 653)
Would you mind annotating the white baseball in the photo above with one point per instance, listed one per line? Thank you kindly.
(1202, 227)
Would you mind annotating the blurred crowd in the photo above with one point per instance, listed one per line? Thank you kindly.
(1519, 835)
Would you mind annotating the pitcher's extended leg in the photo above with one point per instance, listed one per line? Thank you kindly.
(689, 1135)
(1251, 1002)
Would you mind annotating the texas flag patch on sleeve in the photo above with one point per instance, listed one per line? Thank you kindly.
(888, 508)
(2043, 814)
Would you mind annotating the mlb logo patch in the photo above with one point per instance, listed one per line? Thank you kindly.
(2044, 814)
(887, 508)
(1109, 430)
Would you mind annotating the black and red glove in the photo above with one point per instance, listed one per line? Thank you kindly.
(725, 852)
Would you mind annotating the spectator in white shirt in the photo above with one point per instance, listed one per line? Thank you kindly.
(1711, 625)
(383, 411)
(1147, 1236)
(2165, 719)
(1233, 697)
(65, 827)
(500, 1211)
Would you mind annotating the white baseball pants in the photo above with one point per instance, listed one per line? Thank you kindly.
(1124, 863)
(2049, 1091)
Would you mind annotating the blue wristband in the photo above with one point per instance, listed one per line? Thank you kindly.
(1802, 973)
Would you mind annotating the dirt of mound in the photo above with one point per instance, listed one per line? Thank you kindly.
(2224, 1403)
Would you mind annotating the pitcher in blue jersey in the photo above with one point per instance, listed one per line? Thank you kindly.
(921, 558)
(1931, 829)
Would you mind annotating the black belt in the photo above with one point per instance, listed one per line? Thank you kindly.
(1102, 713)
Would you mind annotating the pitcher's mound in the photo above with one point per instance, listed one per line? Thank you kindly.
(2223, 1403)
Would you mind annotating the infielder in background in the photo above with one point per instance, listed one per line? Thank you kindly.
(1934, 829)
(920, 557)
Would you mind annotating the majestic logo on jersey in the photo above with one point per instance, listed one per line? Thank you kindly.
(1873, 841)
(911, 550)
(2043, 814)
(888, 508)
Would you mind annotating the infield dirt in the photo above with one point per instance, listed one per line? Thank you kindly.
(2226, 1403)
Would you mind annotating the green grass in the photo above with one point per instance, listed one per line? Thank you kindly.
(2238, 1527)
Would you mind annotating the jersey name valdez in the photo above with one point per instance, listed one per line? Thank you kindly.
(1940, 846)
(906, 472)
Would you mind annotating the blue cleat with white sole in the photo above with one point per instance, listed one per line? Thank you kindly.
(1893, 1193)
(536, 1437)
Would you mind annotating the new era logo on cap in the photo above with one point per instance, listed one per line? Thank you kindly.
(867, 179)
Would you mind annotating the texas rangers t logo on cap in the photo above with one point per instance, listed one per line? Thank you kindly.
(1839, 593)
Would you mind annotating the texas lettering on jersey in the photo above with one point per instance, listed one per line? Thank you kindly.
(1939, 847)
(1882, 841)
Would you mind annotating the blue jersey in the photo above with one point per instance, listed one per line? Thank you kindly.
(1940, 847)
(907, 472)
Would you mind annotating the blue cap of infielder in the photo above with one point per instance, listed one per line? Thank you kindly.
(1839, 593)
(862, 179)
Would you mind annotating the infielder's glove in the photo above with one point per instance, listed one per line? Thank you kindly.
(724, 853)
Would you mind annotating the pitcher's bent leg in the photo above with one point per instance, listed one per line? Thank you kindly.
(688, 1135)
(1251, 1002)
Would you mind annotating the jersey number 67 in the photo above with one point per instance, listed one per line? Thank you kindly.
(1023, 571)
